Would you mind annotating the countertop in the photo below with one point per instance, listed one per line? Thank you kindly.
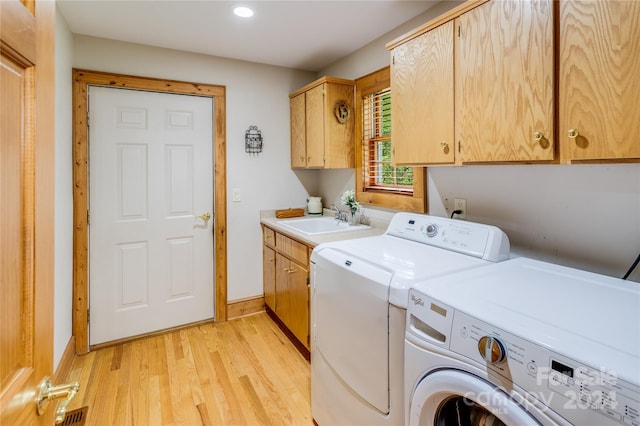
(268, 218)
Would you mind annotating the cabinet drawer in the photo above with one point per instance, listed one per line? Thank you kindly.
(293, 249)
(269, 236)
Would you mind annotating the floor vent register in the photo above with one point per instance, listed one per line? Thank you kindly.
(75, 417)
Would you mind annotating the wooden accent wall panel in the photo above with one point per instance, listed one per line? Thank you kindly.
(600, 79)
(422, 99)
(505, 82)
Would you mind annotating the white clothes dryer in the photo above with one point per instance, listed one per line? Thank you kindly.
(359, 292)
(523, 342)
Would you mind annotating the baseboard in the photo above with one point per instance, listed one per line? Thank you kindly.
(241, 307)
(66, 362)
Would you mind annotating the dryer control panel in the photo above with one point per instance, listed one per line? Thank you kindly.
(474, 239)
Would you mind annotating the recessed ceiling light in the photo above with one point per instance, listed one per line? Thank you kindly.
(243, 12)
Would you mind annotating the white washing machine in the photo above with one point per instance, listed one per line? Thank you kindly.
(358, 310)
(523, 342)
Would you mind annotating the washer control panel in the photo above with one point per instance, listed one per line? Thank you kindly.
(574, 390)
(474, 239)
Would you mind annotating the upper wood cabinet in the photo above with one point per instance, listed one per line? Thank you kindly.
(599, 80)
(505, 82)
(423, 98)
(322, 124)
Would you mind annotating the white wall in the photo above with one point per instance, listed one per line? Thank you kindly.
(586, 216)
(63, 258)
(256, 95)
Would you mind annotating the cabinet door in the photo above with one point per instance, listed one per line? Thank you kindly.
(599, 79)
(422, 98)
(298, 132)
(293, 297)
(315, 126)
(269, 277)
(504, 82)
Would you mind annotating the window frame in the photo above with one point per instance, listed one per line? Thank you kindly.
(414, 202)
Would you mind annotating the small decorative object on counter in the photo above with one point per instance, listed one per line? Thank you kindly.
(314, 206)
(253, 140)
(348, 198)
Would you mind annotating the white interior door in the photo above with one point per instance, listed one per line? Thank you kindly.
(150, 177)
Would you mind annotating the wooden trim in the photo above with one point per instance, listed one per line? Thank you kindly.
(369, 83)
(66, 362)
(320, 81)
(247, 306)
(18, 25)
(436, 22)
(81, 80)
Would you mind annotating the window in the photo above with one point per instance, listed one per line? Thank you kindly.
(378, 181)
(376, 146)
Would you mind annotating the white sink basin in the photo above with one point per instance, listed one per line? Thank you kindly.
(320, 225)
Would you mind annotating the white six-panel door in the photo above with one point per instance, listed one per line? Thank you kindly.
(150, 177)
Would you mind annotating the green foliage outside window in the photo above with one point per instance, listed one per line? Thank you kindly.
(386, 173)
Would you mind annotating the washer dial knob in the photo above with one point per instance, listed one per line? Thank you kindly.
(431, 230)
(492, 349)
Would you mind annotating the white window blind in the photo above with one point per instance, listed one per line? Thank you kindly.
(379, 173)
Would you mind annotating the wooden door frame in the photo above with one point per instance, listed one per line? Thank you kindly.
(82, 79)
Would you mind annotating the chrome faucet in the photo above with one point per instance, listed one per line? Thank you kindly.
(339, 215)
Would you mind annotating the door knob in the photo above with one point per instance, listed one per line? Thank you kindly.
(47, 392)
(205, 216)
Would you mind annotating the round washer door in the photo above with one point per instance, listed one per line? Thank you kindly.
(453, 397)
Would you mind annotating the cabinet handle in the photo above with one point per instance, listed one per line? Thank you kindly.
(302, 158)
(573, 133)
(443, 144)
(538, 136)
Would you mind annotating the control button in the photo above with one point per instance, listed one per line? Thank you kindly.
(431, 230)
(532, 367)
(492, 349)
(464, 332)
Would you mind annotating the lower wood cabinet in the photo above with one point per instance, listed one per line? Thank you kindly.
(269, 276)
(285, 267)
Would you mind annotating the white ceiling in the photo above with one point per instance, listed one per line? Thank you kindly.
(302, 34)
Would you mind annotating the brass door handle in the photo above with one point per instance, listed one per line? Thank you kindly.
(538, 136)
(573, 133)
(205, 216)
(47, 392)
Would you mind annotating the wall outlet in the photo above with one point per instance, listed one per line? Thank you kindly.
(460, 204)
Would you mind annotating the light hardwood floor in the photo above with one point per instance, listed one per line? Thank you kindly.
(241, 372)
